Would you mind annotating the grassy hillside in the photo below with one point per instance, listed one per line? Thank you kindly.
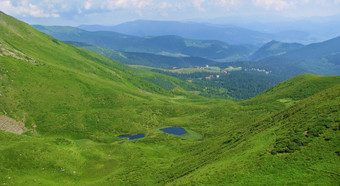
(289, 92)
(62, 89)
(70, 104)
(298, 145)
(167, 45)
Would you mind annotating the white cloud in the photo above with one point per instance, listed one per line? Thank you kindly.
(165, 5)
(25, 8)
(69, 9)
(227, 2)
(273, 4)
(87, 5)
(198, 5)
(129, 4)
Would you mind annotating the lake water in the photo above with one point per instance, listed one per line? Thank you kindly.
(174, 130)
(132, 137)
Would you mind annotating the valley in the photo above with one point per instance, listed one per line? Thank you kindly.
(256, 68)
(82, 118)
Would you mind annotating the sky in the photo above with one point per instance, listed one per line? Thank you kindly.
(111, 12)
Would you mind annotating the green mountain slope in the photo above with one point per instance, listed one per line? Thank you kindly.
(168, 45)
(299, 145)
(61, 88)
(70, 104)
(289, 92)
(274, 48)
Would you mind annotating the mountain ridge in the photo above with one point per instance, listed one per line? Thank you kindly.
(188, 30)
(161, 45)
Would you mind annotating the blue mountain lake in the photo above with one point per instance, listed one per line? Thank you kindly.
(132, 137)
(174, 130)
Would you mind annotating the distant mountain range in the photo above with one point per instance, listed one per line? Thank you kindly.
(284, 61)
(200, 31)
(145, 59)
(168, 45)
(232, 30)
(320, 58)
(304, 30)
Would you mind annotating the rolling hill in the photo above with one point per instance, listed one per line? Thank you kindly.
(63, 108)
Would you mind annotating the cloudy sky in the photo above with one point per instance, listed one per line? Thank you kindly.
(110, 12)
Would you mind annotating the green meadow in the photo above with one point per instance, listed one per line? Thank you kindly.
(72, 104)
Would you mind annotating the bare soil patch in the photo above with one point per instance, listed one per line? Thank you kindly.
(10, 125)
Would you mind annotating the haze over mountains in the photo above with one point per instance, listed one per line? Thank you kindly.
(319, 58)
(316, 28)
(203, 31)
(170, 45)
(260, 67)
(200, 31)
(255, 30)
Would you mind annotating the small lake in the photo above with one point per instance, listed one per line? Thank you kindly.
(174, 130)
(132, 137)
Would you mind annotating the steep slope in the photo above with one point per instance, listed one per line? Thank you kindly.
(58, 88)
(274, 48)
(168, 45)
(298, 145)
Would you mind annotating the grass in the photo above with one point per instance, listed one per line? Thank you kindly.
(79, 102)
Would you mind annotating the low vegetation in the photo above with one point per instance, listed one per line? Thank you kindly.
(75, 103)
